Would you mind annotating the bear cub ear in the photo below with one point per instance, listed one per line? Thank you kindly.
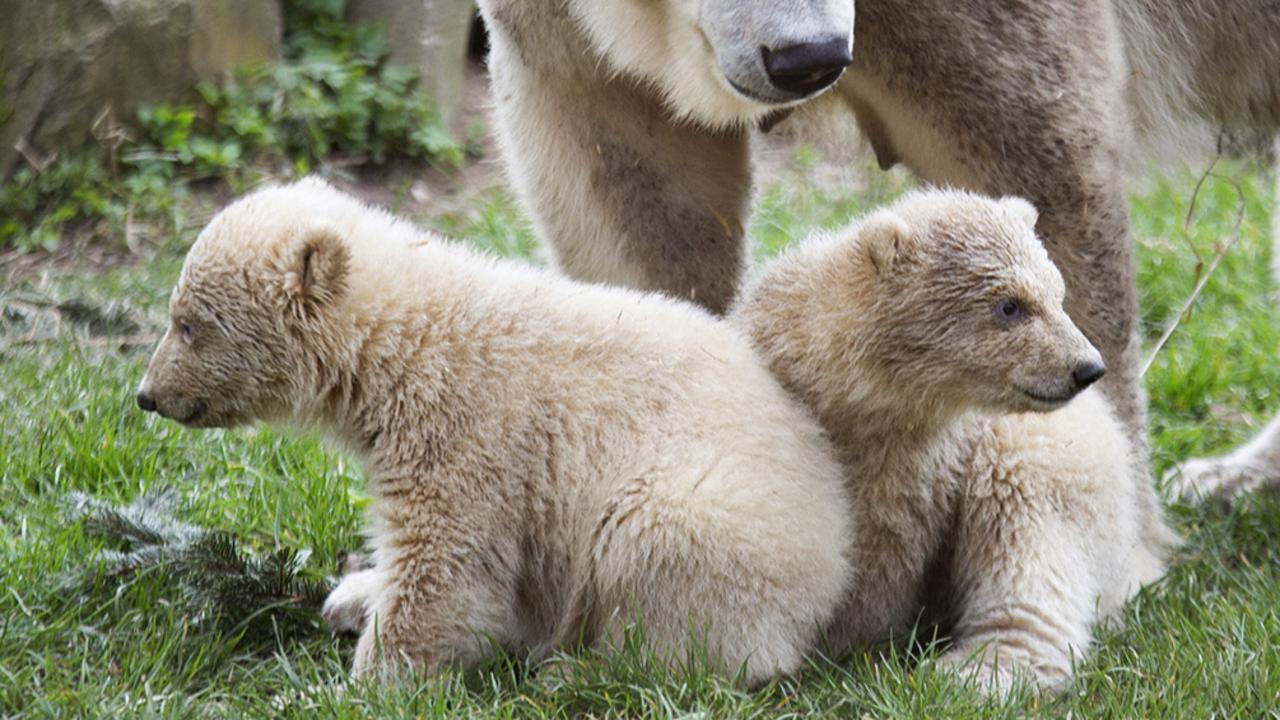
(316, 273)
(1021, 209)
(883, 237)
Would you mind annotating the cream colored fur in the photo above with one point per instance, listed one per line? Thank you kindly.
(690, 51)
(960, 473)
(1197, 69)
(586, 146)
(1250, 467)
(549, 461)
(629, 147)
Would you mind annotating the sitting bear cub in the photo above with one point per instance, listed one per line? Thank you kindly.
(549, 461)
(931, 341)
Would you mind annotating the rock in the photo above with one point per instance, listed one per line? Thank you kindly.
(429, 36)
(63, 63)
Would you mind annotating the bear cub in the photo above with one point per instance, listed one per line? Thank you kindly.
(550, 461)
(931, 341)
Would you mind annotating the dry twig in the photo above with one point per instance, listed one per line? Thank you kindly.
(1220, 251)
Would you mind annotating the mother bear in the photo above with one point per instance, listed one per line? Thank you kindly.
(626, 124)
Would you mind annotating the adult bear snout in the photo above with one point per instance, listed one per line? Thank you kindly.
(806, 68)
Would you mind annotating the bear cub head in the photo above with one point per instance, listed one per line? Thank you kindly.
(956, 300)
(249, 311)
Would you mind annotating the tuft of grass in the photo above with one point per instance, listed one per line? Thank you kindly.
(494, 224)
(800, 203)
(1198, 644)
(1211, 386)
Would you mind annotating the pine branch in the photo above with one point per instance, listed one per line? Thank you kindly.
(217, 576)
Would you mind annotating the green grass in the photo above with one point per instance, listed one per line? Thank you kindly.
(1199, 644)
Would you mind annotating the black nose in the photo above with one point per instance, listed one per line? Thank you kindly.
(1087, 373)
(806, 68)
(146, 402)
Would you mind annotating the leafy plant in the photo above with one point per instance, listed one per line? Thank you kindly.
(36, 207)
(334, 94)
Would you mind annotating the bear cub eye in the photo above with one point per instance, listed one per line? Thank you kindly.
(1008, 310)
(184, 328)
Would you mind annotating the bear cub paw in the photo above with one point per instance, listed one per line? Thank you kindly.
(348, 606)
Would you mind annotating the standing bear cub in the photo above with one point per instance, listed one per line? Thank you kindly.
(931, 341)
(549, 461)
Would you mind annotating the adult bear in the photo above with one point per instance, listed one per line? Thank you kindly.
(626, 123)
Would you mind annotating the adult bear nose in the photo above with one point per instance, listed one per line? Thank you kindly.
(1088, 373)
(146, 402)
(806, 68)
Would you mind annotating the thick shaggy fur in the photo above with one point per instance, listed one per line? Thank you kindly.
(629, 144)
(549, 461)
(965, 463)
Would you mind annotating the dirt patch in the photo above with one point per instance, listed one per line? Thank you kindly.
(92, 250)
(83, 256)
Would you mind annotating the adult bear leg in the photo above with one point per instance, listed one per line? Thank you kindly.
(1250, 467)
(1021, 98)
(620, 191)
